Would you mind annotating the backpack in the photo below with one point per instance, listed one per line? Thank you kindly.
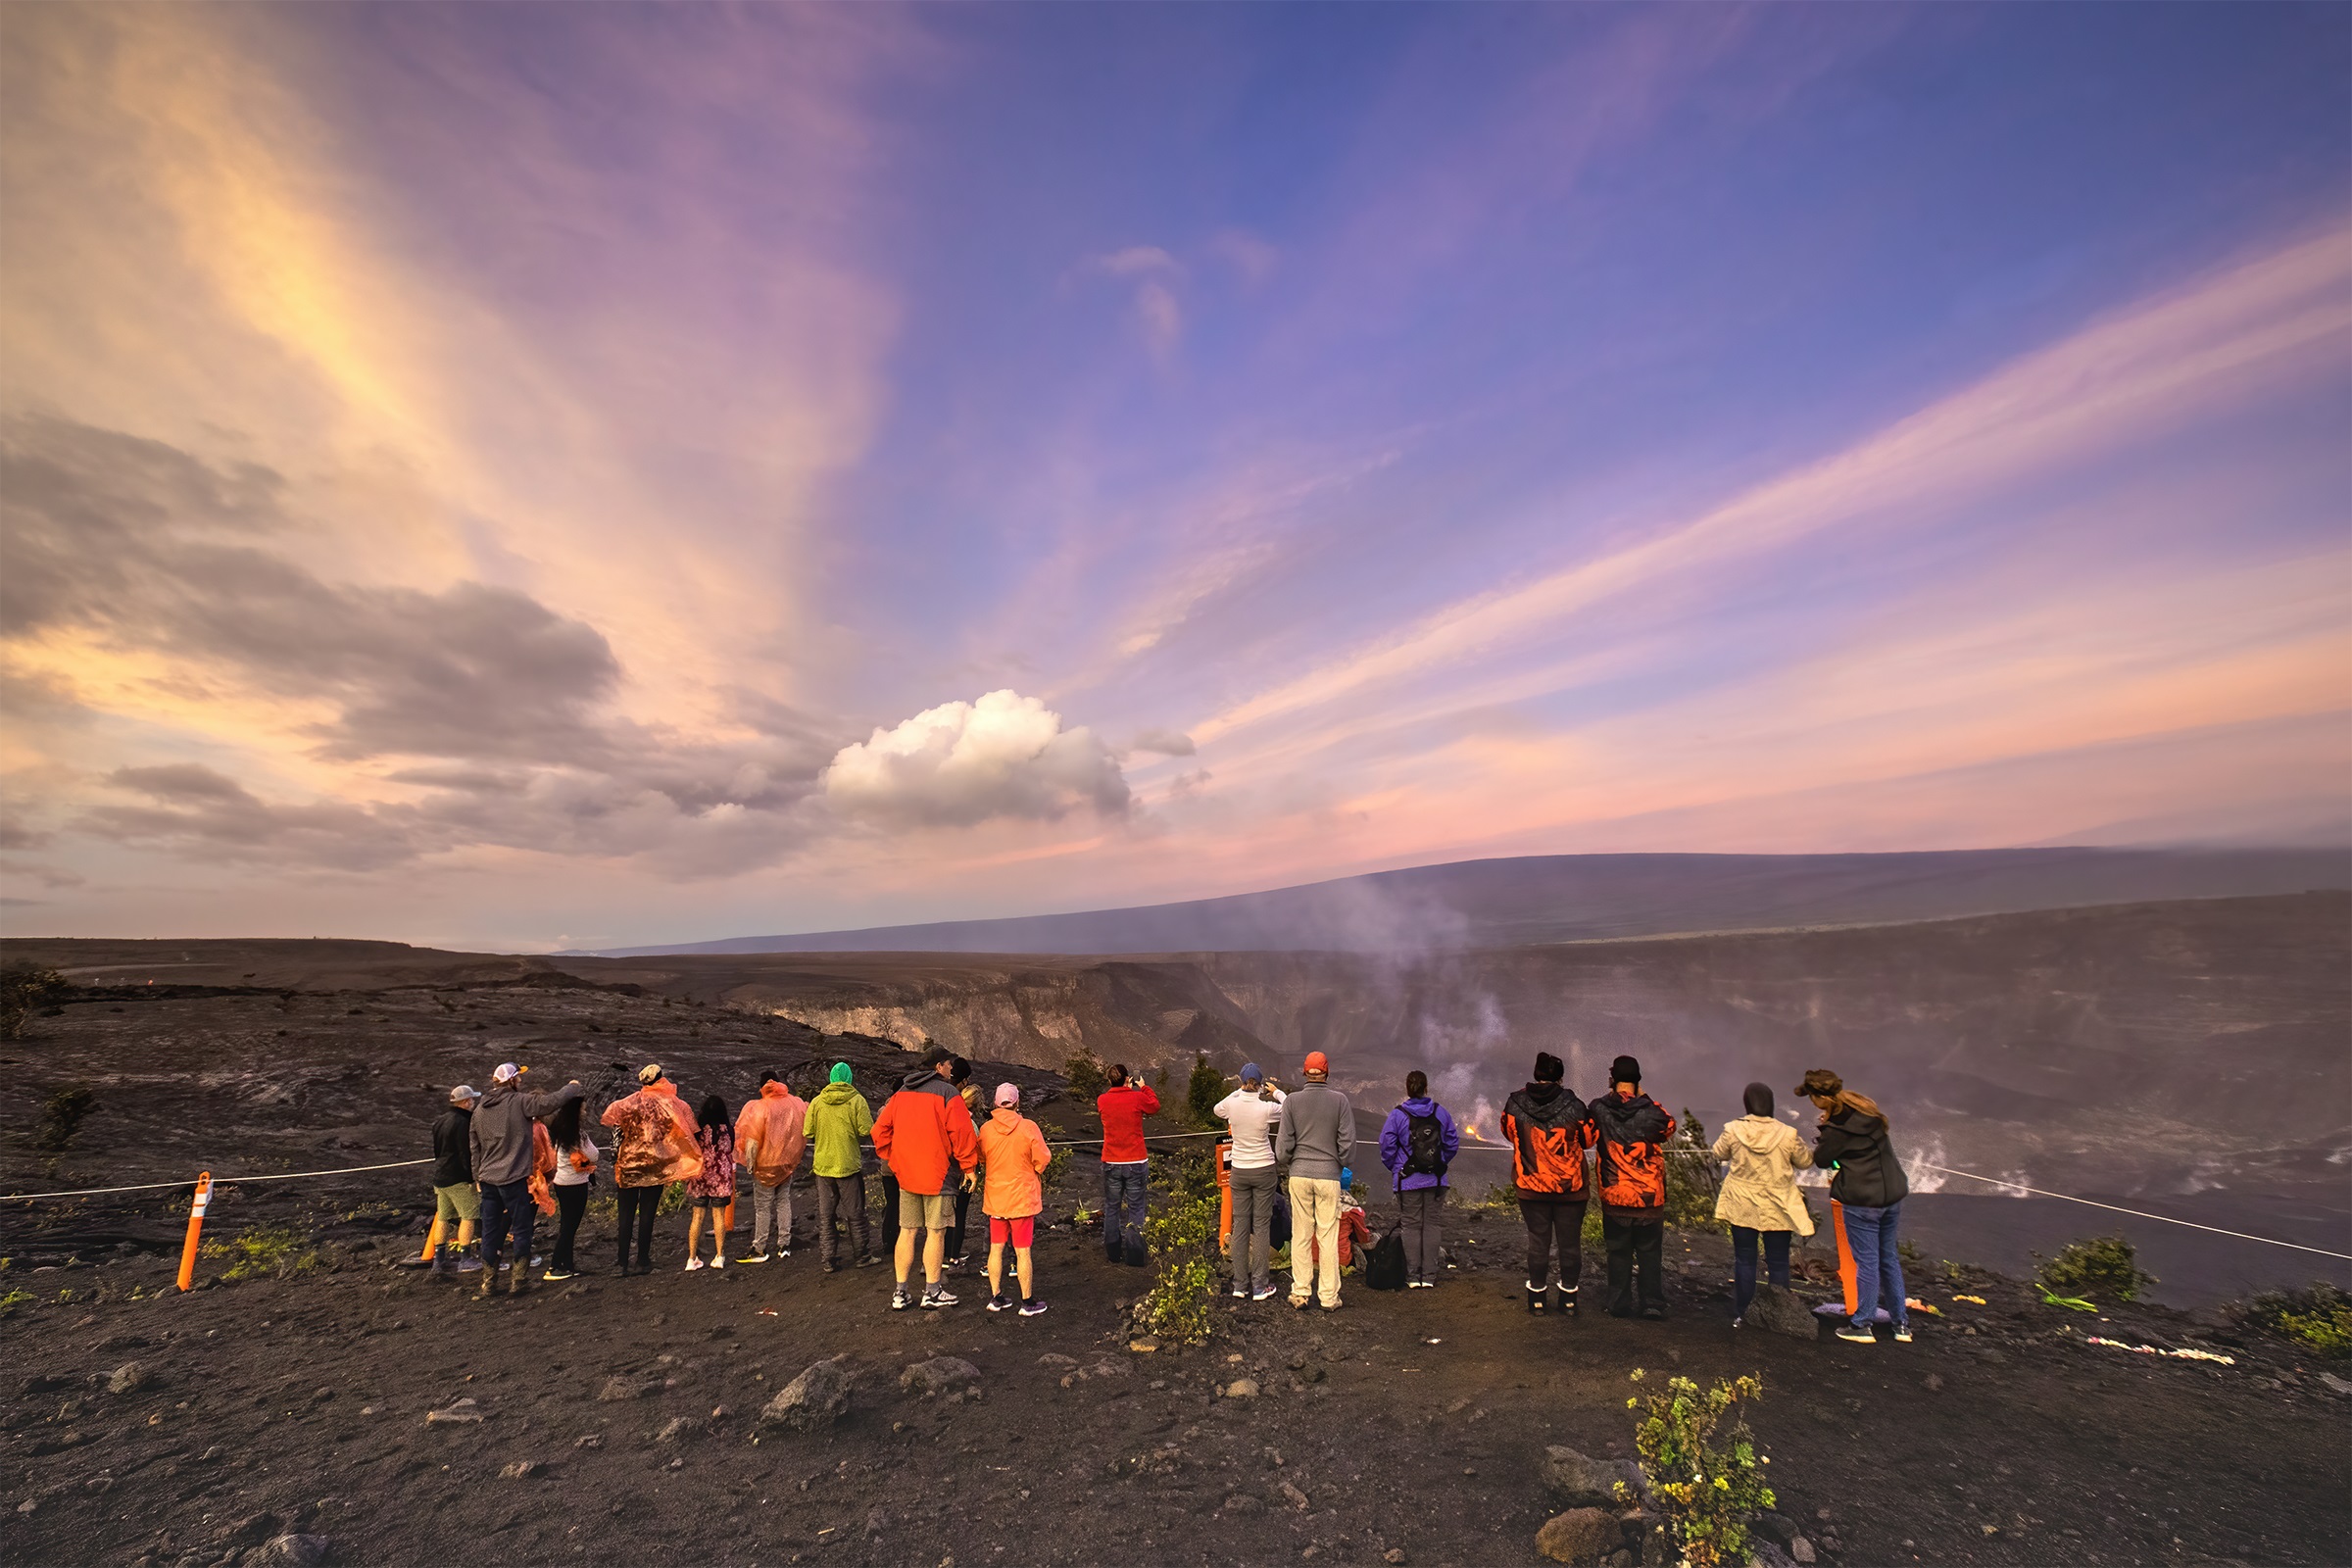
(1384, 1265)
(1425, 1147)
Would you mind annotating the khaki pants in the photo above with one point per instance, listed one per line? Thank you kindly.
(1315, 1213)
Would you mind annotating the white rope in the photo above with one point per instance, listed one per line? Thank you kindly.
(2020, 1187)
(217, 1181)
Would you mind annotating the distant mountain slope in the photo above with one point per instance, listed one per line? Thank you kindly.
(1567, 898)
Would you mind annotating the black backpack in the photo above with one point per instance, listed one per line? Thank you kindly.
(1424, 1147)
(1384, 1265)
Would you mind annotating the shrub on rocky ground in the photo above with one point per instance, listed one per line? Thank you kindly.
(1084, 1070)
(1183, 1239)
(266, 1252)
(61, 1117)
(2103, 1265)
(2319, 1318)
(1707, 1479)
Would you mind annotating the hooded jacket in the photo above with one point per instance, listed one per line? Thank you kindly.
(1759, 1191)
(1397, 1143)
(1318, 1133)
(1857, 1148)
(838, 1117)
(500, 1135)
(924, 1132)
(1548, 1130)
(1631, 1167)
(1123, 1111)
(453, 1147)
(775, 1123)
(1017, 1154)
(655, 1145)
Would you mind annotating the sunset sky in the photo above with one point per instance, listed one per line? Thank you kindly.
(558, 476)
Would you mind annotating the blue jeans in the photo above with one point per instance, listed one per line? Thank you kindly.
(1743, 1263)
(1878, 1267)
(1123, 1206)
(504, 1205)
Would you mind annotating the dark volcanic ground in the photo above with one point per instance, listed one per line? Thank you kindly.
(1406, 1424)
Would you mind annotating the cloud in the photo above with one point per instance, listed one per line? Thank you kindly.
(1155, 274)
(1166, 741)
(959, 764)
(205, 814)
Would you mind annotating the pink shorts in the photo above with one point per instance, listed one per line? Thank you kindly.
(1020, 1232)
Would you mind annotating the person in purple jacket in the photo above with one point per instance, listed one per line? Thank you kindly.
(1417, 1142)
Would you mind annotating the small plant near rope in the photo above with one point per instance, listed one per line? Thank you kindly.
(62, 1116)
(266, 1252)
(2108, 1265)
(1706, 1479)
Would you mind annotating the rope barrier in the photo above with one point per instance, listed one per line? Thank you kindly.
(2021, 1187)
(217, 1181)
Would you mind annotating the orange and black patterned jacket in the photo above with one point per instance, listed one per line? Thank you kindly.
(1631, 1164)
(1548, 1132)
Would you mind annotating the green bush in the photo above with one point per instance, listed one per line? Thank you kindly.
(61, 1117)
(2105, 1264)
(1708, 1482)
(1201, 1091)
(24, 992)
(1084, 1072)
(2318, 1319)
(266, 1251)
(1183, 1239)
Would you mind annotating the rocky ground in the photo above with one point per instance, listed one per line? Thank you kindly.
(291, 1418)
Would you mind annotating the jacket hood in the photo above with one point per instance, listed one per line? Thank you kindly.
(1557, 1109)
(837, 1094)
(777, 1091)
(1417, 1106)
(924, 1078)
(1860, 1123)
(1757, 1133)
(1006, 1117)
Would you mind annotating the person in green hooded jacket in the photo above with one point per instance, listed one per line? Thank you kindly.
(838, 1118)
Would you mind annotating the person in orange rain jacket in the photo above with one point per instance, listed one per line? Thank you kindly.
(769, 1139)
(655, 1147)
(922, 1135)
(1631, 1169)
(1548, 1130)
(1016, 1155)
(542, 1166)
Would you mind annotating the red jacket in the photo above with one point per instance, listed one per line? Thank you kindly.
(923, 1129)
(1123, 1111)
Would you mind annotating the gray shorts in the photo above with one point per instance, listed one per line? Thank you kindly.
(925, 1211)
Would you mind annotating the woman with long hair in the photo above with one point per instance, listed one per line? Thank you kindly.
(712, 1191)
(1759, 1200)
(576, 1174)
(1866, 1204)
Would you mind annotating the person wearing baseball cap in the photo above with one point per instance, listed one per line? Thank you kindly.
(1316, 1141)
(1014, 1150)
(506, 1149)
(454, 1197)
(1254, 1113)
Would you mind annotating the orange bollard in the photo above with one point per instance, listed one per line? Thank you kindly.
(432, 1238)
(1225, 1198)
(187, 1253)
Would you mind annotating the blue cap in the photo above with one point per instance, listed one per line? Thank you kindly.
(1346, 1177)
(1252, 1073)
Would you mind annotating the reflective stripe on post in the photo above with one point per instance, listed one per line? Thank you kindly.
(187, 1253)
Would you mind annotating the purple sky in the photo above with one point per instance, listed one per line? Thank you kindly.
(546, 477)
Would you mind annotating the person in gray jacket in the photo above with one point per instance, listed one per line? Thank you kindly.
(502, 1142)
(1318, 1135)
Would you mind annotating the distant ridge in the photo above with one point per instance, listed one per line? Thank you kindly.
(1568, 898)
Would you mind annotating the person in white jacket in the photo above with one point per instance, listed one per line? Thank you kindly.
(1255, 1113)
(1759, 1200)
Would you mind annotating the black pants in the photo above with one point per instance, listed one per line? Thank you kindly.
(1635, 1245)
(844, 1196)
(570, 1203)
(1744, 1264)
(1555, 1222)
(890, 1212)
(505, 1208)
(963, 1202)
(638, 1206)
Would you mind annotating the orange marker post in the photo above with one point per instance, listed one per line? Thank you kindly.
(187, 1253)
(432, 1238)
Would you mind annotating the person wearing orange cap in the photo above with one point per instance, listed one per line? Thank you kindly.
(1318, 1135)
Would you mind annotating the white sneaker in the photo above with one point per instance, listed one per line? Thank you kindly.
(1854, 1336)
(721, 1261)
(693, 1263)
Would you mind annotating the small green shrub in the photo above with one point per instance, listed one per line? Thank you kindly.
(1056, 1166)
(1084, 1071)
(24, 992)
(62, 1116)
(2104, 1264)
(11, 1301)
(1707, 1481)
(1693, 1178)
(1499, 1202)
(1183, 1239)
(2318, 1319)
(1201, 1091)
(266, 1252)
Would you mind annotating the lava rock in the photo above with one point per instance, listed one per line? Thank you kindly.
(942, 1374)
(1584, 1482)
(815, 1399)
(1777, 1528)
(1298, 1498)
(1801, 1550)
(1782, 1311)
(1581, 1535)
(127, 1378)
(628, 1388)
(461, 1413)
(520, 1470)
(304, 1551)
(675, 1430)
(1242, 1388)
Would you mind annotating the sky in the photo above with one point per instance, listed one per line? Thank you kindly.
(527, 478)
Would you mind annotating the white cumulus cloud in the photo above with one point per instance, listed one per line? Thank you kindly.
(964, 763)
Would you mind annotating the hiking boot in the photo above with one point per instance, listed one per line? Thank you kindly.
(520, 1284)
(900, 1300)
(1299, 1303)
(1653, 1314)
(1902, 1334)
(442, 1262)
(1032, 1307)
(998, 1302)
(1534, 1297)
(1854, 1336)
(1114, 1252)
(936, 1296)
(489, 1284)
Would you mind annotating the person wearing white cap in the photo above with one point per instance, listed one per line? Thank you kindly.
(503, 1152)
(454, 1199)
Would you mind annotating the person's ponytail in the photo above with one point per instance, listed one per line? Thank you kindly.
(1848, 1100)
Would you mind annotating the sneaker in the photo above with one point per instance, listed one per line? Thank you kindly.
(1331, 1307)
(470, 1265)
(1032, 1307)
(1241, 1292)
(693, 1263)
(1422, 1285)
(937, 1295)
(900, 1301)
(998, 1301)
(1738, 1322)
(869, 1260)
(1653, 1314)
(1266, 1294)
(755, 1257)
(719, 1261)
(555, 1276)
(832, 1267)
(1902, 1334)
(783, 1252)
(1854, 1336)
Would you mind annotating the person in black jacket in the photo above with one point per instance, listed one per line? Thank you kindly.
(1630, 1164)
(454, 1199)
(1866, 1204)
(1548, 1130)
